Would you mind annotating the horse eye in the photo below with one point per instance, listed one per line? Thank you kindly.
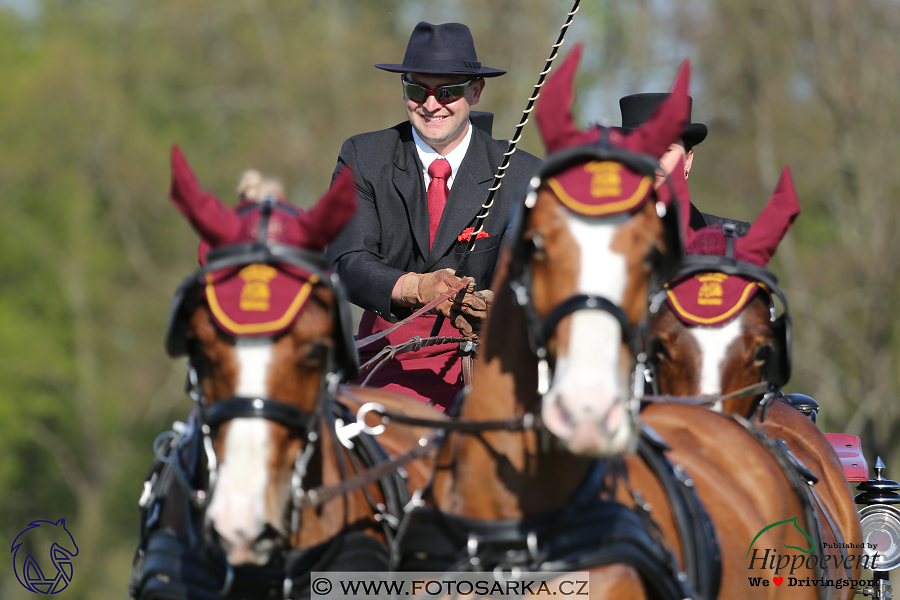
(653, 257)
(316, 355)
(536, 246)
(661, 351)
(763, 353)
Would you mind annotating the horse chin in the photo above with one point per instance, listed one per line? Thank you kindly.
(587, 437)
(242, 555)
(239, 550)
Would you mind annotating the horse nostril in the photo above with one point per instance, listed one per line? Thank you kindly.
(212, 534)
(270, 537)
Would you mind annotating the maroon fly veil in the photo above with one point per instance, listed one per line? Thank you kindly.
(722, 273)
(603, 171)
(260, 261)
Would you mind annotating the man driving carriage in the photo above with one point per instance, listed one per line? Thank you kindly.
(420, 186)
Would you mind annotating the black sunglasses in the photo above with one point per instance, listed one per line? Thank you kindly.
(444, 94)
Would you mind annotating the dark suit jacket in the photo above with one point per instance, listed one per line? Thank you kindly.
(699, 220)
(388, 236)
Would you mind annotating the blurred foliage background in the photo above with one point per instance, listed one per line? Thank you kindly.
(95, 92)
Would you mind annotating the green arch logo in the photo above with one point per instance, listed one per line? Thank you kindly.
(796, 526)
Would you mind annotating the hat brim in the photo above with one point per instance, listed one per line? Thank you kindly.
(693, 134)
(480, 72)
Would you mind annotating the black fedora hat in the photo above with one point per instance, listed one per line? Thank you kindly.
(637, 108)
(446, 49)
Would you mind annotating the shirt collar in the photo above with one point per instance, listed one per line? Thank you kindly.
(427, 155)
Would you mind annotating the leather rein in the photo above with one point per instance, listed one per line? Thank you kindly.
(714, 401)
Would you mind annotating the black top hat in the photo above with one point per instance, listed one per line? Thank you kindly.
(446, 49)
(637, 108)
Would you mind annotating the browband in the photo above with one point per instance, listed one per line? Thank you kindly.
(644, 164)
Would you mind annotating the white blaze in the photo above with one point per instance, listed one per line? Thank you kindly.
(238, 507)
(714, 343)
(587, 383)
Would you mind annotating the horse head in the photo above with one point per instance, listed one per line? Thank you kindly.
(265, 327)
(718, 332)
(590, 241)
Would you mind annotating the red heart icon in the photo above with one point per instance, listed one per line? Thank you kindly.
(778, 580)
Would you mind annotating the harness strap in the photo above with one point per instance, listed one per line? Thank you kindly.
(468, 367)
(699, 542)
(755, 389)
(598, 534)
(414, 344)
(171, 570)
(585, 302)
(802, 481)
(526, 422)
(318, 496)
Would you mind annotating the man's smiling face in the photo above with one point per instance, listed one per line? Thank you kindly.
(442, 126)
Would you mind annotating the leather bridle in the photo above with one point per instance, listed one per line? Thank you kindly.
(777, 371)
(341, 361)
(523, 247)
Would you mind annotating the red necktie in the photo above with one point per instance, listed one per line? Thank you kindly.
(439, 171)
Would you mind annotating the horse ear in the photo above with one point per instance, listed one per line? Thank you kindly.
(666, 125)
(215, 223)
(331, 213)
(773, 222)
(554, 107)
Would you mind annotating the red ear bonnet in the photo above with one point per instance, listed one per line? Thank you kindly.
(604, 188)
(331, 213)
(215, 223)
(714, 299)
(219, 225)
(761, 241)
(772, 224)
(259, 299)
(554, 108)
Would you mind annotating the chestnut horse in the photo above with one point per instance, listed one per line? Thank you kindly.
(248, 501)
(717, 334)
(563, 489)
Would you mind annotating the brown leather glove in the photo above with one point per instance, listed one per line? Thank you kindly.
(419, 289)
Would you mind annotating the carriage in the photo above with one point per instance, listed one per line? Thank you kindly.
(281, 471)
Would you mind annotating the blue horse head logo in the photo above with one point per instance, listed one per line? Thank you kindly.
(62, 550)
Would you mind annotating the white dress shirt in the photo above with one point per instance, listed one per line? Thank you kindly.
(427, 155)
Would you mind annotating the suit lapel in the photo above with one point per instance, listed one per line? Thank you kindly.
(470, 189)
(408, 181)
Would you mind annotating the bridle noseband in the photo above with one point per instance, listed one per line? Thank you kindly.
(586, 302)
(237, 407)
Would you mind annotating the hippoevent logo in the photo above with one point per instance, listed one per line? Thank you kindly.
(49, 544)
(794, 569)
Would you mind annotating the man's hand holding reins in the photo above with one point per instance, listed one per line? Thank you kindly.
(466, 310)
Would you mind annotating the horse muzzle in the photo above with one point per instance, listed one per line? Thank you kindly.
(588, 423)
